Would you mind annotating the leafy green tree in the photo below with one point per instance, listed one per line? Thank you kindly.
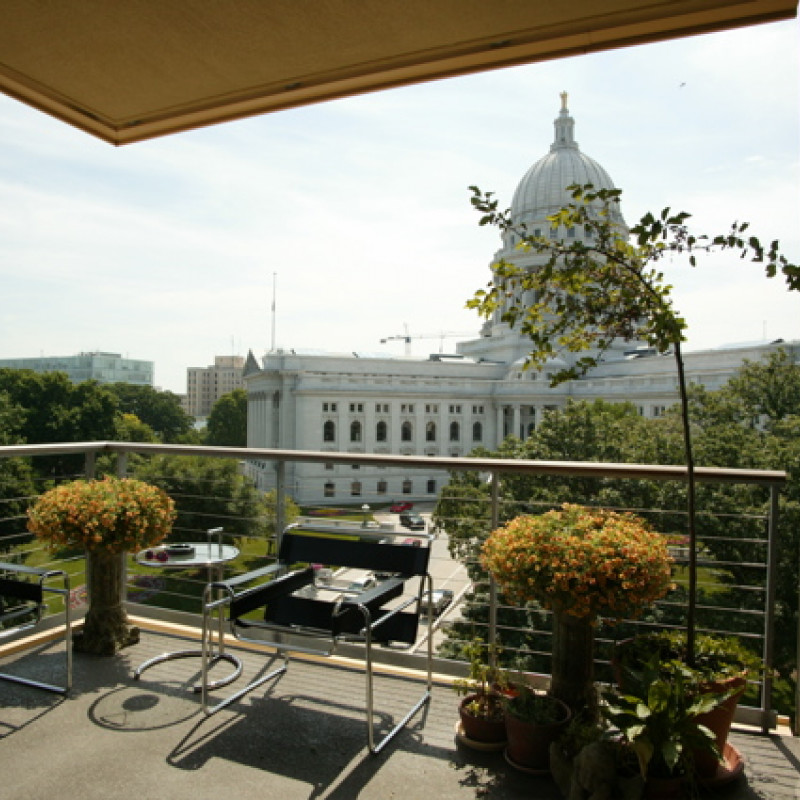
(600, 287)
(129, 428)
(56, 410)
(161, 410)
(16, 477)
(768, 390)
(227, 422)
(211, 493)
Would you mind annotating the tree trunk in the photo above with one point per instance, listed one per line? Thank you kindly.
(106, 629)
(691, 611)
(573, 664)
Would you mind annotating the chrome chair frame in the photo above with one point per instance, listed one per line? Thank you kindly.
(31, 594)
(361, 618)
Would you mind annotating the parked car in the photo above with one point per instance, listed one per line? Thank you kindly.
(413, 522)
(441, 599)
(397, 508)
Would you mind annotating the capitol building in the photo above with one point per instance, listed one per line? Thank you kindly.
(446, 405)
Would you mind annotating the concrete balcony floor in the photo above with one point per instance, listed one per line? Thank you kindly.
(299, 737)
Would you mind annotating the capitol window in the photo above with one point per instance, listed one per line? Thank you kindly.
(381, 432)
(406, 432)
(355, 431)
(430, 432)
(329, 431)
(455, 431)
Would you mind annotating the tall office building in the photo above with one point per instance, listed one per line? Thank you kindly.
(96, 366)
(205, 385)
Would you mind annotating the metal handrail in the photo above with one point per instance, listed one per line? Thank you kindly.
(491, 469)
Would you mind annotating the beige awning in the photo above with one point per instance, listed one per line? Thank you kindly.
(127, 70)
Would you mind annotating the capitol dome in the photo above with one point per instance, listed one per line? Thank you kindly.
(542, 190)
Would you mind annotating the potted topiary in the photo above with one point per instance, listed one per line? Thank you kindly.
(106, 518)
(658, 718)
(580, 563)
(481, 713)
(533, 720)
(721, 666)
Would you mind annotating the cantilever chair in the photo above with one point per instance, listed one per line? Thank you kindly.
(22, 607)
(300, 612)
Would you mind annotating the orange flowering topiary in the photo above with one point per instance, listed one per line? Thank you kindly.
(116, 515)
(586, 562)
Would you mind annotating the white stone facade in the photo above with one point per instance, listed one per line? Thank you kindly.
(447, 406)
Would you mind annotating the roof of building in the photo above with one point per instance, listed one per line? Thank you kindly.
(543, 189)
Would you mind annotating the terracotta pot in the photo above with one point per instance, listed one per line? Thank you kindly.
(479, 729)
(718, 722)
(529, 744)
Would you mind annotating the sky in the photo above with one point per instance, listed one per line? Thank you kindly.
(354, 217)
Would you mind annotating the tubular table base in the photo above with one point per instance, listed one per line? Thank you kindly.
(197, 688)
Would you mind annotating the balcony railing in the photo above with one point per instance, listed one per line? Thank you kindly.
(524, 635)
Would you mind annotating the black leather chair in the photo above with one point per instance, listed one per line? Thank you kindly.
(23, 592)
(298, 611)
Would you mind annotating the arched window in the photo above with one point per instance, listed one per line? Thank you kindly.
(430, 432)
(329, 431)
(355, 488)
(330, 489)
(380, 431)
(355, 431)
(406, 432)
(455, 431)
(477, 432)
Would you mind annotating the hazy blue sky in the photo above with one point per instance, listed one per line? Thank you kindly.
(166, 250)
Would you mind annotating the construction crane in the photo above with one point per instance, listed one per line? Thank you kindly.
(441, 336)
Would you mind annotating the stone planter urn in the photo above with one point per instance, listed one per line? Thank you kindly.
(106, 518)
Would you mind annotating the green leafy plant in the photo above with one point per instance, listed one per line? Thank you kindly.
(528, 705)
(658, 719)
(486, 681)
(715, 657)
(586, 562)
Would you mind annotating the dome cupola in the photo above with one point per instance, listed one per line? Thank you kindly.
(543, 189)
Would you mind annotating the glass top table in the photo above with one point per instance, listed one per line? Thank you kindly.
(211, 556)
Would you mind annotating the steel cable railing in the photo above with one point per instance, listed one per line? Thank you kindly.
(736, 556)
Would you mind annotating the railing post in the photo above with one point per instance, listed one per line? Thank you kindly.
(89, 465)
(495, 521)
(122, 464)
(769, 617)
(280, 502)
